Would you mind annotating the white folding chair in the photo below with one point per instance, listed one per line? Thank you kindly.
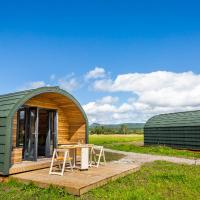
(61, 161)
(96, 155)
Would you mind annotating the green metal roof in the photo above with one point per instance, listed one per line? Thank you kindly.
(8, 101)
(189, 118)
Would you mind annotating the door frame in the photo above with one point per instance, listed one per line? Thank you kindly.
(27, 130)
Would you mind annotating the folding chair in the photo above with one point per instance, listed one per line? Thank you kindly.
(61, 161)
(96, 153)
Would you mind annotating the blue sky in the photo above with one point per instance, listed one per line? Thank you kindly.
(60, 42)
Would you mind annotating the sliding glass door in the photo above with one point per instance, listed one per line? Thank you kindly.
(31, 135)
(51, 139)
(37, 132)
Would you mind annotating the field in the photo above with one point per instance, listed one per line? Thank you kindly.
(112, 139)
(130, 143)
(155, 181)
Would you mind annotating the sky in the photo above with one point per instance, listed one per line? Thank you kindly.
(124, 61)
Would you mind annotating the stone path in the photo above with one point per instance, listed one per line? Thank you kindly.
(140, 158)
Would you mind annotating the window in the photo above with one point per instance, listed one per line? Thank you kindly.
(21, 119)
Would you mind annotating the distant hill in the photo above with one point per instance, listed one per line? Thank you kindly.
(117, 126)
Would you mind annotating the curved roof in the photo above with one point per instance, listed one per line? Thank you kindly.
(9, 103)
(189, 118)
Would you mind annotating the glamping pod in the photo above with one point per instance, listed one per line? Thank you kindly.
(33, 123)
(178, 130)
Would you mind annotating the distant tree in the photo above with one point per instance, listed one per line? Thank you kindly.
(123, 129)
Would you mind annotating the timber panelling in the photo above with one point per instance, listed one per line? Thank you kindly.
(16, 155)
(14, 130)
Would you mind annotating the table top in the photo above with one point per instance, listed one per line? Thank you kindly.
(70, 146)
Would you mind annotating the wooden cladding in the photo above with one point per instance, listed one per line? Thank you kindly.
(14, 130)
(16, 155)
(71, 123)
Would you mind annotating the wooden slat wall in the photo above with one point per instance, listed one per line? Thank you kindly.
(16, 155)
(14, 130)
(16, 152)
(71, 124)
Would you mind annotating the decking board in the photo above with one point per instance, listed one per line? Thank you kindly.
(77, 182)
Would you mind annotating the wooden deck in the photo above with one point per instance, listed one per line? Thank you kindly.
(78, 182)
(30, 165)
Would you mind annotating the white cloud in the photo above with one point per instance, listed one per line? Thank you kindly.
(157, 88)
(108, 100)
(150, 94)
(107, 110)
(34, 85)
(69, 84)
(97, 72)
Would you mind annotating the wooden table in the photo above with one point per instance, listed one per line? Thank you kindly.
(84, 154)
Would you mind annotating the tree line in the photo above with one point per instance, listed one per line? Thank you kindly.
(123, 129)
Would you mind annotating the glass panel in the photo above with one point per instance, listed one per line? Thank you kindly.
(30, 152)
(21, 128)
(32, 121)
(52, 116)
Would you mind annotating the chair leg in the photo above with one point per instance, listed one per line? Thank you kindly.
(104, 158)
(64, 163)
(92, 157)
(52, 161)
(94, 154)
(99, 159)
(59, 163)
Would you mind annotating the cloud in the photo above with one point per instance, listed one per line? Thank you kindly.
(108, 99)
(129, 111)
(69, 84)
(34, 85)
(97, 72)
(106, 110)
(159, 88)
(150, 94)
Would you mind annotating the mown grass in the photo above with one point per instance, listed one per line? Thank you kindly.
(156, 150)
(155, 181)
(129, 143)
(110, 139)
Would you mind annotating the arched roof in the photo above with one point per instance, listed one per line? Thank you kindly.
(189, 118)
(10, 103)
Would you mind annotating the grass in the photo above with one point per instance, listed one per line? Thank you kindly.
(129, 143)
(155, 181)
(156, 150)
(110, 139)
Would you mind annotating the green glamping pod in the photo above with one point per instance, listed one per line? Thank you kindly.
(178, 130)
(33, 123)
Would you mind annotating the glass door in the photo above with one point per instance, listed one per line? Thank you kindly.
(31, 136)
(51, 139)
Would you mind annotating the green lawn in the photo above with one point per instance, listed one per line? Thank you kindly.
(155, 181)
(130, 143)
(110, 139)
